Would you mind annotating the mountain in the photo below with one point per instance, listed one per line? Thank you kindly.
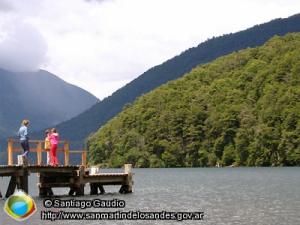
(41, 97)
(90, 120)
(242, 109)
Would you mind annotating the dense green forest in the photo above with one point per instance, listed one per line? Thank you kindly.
(242, 109)
(99, 114)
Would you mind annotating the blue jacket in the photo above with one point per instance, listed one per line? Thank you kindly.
(23, 133)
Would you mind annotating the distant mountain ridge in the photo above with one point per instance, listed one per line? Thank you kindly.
(100, 113)
(41, 97)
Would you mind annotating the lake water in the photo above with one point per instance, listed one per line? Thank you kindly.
(225, 195)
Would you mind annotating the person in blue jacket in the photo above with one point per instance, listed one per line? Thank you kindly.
(23, 135)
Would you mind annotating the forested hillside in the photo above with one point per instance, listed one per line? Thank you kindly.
(99, 114)
(241, 109)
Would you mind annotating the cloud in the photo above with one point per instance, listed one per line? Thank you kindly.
(22, 47)
(99, 1)
(5, 6)
(100, 45)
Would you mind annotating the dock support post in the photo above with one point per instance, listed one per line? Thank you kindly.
(49, 191)
(22, 182)
(72, 191)
(22, 177)
(94, 187)
(127, 186)
(67, 152)
(10, 151)
(11, 186)
(79, 190)
(25, 183)
(19, 179)
(101, 189)
(44, 191)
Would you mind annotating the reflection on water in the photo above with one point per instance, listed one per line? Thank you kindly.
(226, 195)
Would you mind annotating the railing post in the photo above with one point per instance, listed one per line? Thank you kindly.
(83, 158)
(67, 152)
(129, 182)
(39, 153)
(127, 168)
(10, 151)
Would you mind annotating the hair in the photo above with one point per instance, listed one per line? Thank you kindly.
(53, 130)
(25, 122)
(47, 131)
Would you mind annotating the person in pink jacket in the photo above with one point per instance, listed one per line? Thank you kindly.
(54, 140)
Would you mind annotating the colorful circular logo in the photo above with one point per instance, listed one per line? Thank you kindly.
(20, 206)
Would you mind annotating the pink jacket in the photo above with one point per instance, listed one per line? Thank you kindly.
(54, 138)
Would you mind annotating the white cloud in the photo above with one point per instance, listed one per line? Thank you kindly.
(101, 45)
(22, 48)
(5, 6)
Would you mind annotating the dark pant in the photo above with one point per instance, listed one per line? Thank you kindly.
(25, 146)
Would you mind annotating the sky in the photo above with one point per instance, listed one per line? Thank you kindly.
(100, 45)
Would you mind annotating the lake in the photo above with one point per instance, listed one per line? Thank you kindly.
(225, 195)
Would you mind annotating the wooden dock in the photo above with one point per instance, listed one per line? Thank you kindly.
(74, 177)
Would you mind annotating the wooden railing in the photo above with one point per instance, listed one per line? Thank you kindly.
(38, 148)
